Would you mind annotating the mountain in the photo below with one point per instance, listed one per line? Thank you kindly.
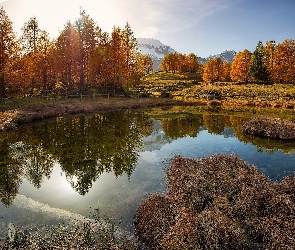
(225, 56)
(157, 50)
(157, 139)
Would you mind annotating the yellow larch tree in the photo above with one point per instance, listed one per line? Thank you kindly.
(240, 66)
(8, 48)
(213, 70)
(283, 68)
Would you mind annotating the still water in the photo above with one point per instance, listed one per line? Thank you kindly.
(108, 163)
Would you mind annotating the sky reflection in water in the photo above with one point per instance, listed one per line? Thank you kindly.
(118, 181)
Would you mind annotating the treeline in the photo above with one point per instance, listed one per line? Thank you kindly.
(177, 62)
(80, 58)
(269, 63)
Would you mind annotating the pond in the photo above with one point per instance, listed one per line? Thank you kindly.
(106, 164)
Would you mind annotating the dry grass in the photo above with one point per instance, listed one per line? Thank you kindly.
(270, 127)
(218, 202)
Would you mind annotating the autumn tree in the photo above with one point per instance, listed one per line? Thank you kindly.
(44, 53)
(116, 61)
(192, 64)
(148, 64)
(240, 66)
(143, 66)
(8, 47)
(283, 65)
(29, 45)
(89, 34)
(99, 64)
(226, 67)
(169, 63)
(269, 51)
(213, 70)
(165, 63)
(67, 58)
(258, 68)
(129, 50)
(181, 63)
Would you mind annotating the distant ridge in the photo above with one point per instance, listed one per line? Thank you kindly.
(226, 56)
(157, 50)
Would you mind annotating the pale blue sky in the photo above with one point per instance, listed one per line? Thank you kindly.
(203, 27)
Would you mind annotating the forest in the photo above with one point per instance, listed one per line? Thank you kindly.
(82, 58)
(269, 63)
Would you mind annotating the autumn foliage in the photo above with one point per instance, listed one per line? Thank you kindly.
(269, 63)
(215, 70)
(81, 58)
(240, 67)
(181, 63)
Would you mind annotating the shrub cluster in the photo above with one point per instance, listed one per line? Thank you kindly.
(218, 202)
(270, 127)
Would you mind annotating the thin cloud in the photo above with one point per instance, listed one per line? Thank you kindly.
(171, 16)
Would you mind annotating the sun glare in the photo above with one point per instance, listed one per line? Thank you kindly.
(53, 15)
(57, 13)
(74, 180)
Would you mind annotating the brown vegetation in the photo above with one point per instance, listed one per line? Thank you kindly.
(273, 128)
(218, 202)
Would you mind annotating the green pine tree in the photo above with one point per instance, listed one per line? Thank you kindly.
(258, 69)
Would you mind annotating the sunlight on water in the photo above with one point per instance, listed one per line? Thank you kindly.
(109, 165)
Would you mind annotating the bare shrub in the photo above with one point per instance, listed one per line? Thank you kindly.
(270, 127)
(218, 202)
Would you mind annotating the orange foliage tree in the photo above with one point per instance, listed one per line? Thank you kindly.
(8, 49)
(81, 57)
(283, 63)
(213, 70)
(240, 66)
(177, 62)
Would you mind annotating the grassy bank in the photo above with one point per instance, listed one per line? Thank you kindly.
(19, 112)
(188, 87)
(183, 89)
(276, 95)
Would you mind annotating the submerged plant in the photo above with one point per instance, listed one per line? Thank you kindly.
(86, 235)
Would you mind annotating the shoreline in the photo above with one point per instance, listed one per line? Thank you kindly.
(11, 117)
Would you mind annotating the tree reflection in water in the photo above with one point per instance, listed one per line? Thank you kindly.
(85, 147)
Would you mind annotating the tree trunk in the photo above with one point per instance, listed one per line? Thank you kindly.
(2, 87)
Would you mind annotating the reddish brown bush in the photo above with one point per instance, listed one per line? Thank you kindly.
(272, 128)
(218, 202)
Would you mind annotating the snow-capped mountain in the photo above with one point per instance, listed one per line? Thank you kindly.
(157, 139)
(155, 49)
(226, 56)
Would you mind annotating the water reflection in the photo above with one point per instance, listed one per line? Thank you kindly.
(85, 147)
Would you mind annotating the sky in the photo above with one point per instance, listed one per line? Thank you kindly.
(203, 27)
